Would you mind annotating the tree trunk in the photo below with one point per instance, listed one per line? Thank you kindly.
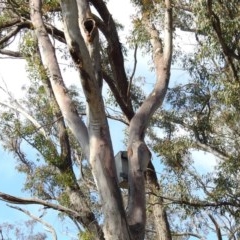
(82, 38)
(157, 204)
(138, 154)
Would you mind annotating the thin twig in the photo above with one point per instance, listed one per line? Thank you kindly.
(133, 73)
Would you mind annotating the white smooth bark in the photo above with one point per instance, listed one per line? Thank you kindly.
(83, 44)
(68, 110)
(138, 152)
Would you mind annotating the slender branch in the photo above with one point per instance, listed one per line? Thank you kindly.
(233, 232)
(11, 53)
(218, 229)
(13, 32)
(115, 92)
(219, 154)
(56, 33)
(48, 226)
(27, 201)
(202, 146)
(110, 116)
(188, 234)
(117, 118)
(133, 72)
(200, 203)
(20, 109)
(1, 234)
(228, 53)
(9, 22)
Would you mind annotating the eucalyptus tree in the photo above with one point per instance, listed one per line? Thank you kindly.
(68, 127)
(202, 114)
(54, 125)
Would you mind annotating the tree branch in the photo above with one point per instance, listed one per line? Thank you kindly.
(162, 62)
(19, 108)
(11, 53)
(9, 22)
(66, 105)
(56, 33)
(115, 57)
(138, 152)
(228, 53)
(218, 229)
(188, 234)
(27, 201)
(48, 226)
(200, 203)
(202, 146)
(133, 73)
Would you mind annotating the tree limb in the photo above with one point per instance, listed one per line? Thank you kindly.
(66, 105)
(133, 73)
(10, 53)
(18, 200)
(200, 203)
(218, 229)
(188, 234)
(115, 57)
(9, 22)
(228, 53)
(138, 152)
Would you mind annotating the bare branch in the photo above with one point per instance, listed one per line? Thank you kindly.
(68, 109)
(11, 53)
(115, 92)
(162, 62)
(133, 72)
(13, 32)
(56, 33)
(217, 227)
(200, 203)
(188, 234)
(48, 226)
(20, 109)
(26, 201)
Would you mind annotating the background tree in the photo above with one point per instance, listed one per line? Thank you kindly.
(201, 114)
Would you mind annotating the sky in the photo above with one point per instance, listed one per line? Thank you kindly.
(13, 72)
